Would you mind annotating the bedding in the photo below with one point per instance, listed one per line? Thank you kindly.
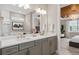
(74, 42)
(75, 39)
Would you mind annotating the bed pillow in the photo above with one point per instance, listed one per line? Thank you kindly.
(75, 37)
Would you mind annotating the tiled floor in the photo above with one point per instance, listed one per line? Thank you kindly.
(66, 50)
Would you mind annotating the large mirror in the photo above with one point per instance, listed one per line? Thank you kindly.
(39, 23)
(35, 22)
(39, 19)
(17, 18)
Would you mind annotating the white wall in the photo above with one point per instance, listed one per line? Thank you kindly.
(58, 29)
(12, 8)
(50, 22)
(6, 26)
(52, 18)
(1, 26)
(5, 11)
(43, 6)
(43, 18)
(27, 24)
(44, 23)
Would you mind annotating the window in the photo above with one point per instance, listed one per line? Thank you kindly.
(73, 26)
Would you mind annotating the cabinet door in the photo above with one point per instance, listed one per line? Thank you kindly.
(45, 47)
(36, 50)
(52, 44)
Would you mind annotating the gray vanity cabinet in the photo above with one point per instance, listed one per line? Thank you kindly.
(9, 50)
(22, 52)
(52, 44)
(26, 45)
(20, 49)
(24, 48)
(36, 50)
(45, 47)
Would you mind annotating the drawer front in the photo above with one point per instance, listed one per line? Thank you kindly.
(22, 52)
(45, 40)
(54, 37)
(9, 50)
(37, 42)
(26, 45)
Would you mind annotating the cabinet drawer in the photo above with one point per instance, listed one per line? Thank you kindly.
(26, 45)
(22, 52)
(9, 50)
(45, 40)
(37, 42)
(54, 37)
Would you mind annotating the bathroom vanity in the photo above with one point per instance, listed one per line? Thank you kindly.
(39, 45)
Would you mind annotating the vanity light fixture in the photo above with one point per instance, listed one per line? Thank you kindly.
(26, 6)
(40, 11)
(43, 11)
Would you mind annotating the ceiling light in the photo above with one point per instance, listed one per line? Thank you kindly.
(40, 11)
(26, 6)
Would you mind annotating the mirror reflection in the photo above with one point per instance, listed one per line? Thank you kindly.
(22, 18)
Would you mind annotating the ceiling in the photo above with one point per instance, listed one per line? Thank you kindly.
(22, 11)
(14, 8)
(63, 5)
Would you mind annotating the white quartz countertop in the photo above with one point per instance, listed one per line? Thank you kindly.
(13, 40)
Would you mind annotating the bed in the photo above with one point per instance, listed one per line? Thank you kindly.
(74, 42)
